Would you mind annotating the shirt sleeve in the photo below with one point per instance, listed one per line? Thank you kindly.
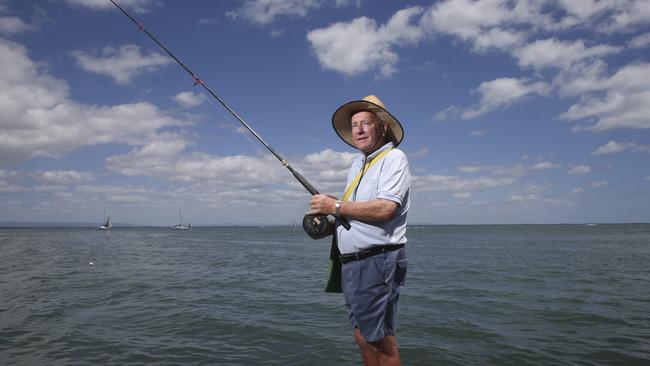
(395, 177)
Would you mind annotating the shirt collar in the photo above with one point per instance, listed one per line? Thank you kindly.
(388, 145)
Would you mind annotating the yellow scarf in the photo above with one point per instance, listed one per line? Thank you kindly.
(366, 167)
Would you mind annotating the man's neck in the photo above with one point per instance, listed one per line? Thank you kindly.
(377, 148)
(379, 145)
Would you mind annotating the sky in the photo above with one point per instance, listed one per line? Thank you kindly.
(515, 112)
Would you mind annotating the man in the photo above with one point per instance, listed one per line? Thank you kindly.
(375, 203)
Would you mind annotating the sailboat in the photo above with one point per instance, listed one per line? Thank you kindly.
(180, 225)
(108, 225)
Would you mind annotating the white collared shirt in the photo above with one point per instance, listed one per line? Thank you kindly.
(388, 179)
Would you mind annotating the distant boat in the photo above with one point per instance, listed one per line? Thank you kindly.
(108, 225)
(180, 225)
(590, 224)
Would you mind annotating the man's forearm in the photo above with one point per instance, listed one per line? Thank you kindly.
(373, 210)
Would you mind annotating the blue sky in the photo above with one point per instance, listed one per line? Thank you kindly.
(515, 111)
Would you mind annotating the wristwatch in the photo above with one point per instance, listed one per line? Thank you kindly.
(338, 208)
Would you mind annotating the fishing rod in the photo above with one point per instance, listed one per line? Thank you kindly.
(198, 81)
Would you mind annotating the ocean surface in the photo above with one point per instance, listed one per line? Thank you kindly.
(475, 295)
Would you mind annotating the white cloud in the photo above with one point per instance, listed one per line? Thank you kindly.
(450, 113)
(580, 66)
(341, 3)
(326, 170)
(454, 183)
(554, 53)
(626, 15)
(601, 183)
(485, 24)
(329, 160)
(647, 178)
(121, 195)
(370, 48)
(163, 159)
(478, 133)
(10, 25)
(139, 6)
(21, 181)
(613, 147)
(463, 195)
(580, 169)
(207, 21)
(497, 38)
(266, 11)
(625, 104)
(13, 25)
(580, 79)
(420, 153)
(522, 198)
(7, 173)
(544, 166)
(640, 41)
(466, 19)
(10, 181)
(189, 99)
(63, 177)
(603, 16)
(123, 64)
(584, 9)
(277, 32)
(578, 190)
(39, 119)
(517, 170)
(168, 160)
(470, 168)
(502, 92)
(6, 187)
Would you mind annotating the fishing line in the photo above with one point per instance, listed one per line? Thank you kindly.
(198, 81)
(238, 129)
(228, 119)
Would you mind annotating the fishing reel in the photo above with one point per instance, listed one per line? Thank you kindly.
(318, 226)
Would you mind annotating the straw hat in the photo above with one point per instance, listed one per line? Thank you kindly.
(342, 116)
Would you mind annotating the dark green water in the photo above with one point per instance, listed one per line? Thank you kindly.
(475, 295)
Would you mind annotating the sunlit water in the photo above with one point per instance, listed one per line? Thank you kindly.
(475, 295)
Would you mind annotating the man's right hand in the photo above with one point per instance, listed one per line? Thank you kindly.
(322, 204)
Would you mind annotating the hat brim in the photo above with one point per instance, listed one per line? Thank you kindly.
(343, 127)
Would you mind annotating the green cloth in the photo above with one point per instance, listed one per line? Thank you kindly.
(334, 268)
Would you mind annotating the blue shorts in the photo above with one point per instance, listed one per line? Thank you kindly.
(371, 289)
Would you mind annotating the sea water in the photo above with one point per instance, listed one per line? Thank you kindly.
(474, 295)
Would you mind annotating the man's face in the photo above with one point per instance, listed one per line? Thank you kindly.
(367, 132)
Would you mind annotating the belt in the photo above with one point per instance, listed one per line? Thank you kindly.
(345, 258)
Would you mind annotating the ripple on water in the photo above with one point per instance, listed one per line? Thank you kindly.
(495, 295)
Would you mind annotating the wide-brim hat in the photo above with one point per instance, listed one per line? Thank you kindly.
(342, 125)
